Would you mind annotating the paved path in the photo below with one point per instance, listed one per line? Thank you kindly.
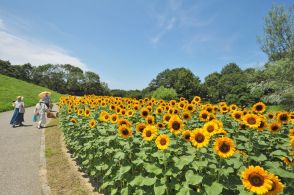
(19, 156)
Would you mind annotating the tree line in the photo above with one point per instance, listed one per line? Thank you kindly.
(272, 84)
(63, 78)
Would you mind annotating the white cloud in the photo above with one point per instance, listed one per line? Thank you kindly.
(20, 50)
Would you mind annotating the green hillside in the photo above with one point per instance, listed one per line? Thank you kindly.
(10, 88)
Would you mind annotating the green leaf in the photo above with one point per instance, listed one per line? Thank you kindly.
(215, 188)
(85, 162)
(184, 191)
(119, 155)
(125, 191)
(151, 168)
(278, 153)
(122, 171)
(197, 164)
(92, 173)
(193, 178)
(184, 160)
(261, 158)
(105, 184)
(281, 172)
(141, 181)
(159, 190)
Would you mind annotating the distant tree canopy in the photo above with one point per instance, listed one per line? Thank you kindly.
(182, 80)
(165, 93)
(66, 79)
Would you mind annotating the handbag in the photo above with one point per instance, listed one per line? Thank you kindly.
(21, 109)
(34, 118)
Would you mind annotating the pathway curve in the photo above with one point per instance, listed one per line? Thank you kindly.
(19, 156)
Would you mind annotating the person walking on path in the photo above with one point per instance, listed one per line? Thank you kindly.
(18, 114)
(40, 110)
(47, 100)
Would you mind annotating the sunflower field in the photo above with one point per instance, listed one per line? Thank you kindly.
(150, 146)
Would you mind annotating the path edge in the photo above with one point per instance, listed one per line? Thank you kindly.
(43, 166)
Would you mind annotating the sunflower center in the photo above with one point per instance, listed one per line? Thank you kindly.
(189, 108)
(256, 179)
(114, 118)
(200, 138)
(275, 128)
(186, 116)
(237, 116)
(283, 117)
(162, 141)
(251, 120)
(204, 116)
(224, 148)
(167, 118)
(149, 121)
(144, 113)
(210, 129)
(259, 107)
(176, 125)
(125, 132)
(148, 134)
(261, 124)
(187, 136)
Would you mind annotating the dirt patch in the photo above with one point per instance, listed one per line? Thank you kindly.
(62, 172)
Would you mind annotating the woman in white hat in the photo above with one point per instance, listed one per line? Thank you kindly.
(41, 110)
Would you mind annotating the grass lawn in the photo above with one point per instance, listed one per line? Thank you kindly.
(10, 88)
(62, 176)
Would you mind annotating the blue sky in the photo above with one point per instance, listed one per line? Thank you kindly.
(129, 42)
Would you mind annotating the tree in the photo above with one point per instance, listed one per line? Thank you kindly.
(182, 80)
(278, 38)
(165, 93)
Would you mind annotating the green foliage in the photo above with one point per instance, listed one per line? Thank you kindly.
(278, 39)
(165, 93)
(182, 80)
(10, 88)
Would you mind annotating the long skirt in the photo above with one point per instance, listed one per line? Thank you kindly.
(17, 117)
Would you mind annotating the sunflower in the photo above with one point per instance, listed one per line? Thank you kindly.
(199, 139)
(172, 102)
(175, 124)
(211, 127)
(190, 107)
(224, 147)
(125, 131)
(275, 127)
(80, 112)
(224, 109)
(130, 113)
(262, 125)
(186, 115)
(287, 161)
(87, 112)
(277, 185)
(283, 117)
(259, 107)
(159, 110)
(149, 120)
(237, 115)
(160, 125)
(197, 99)
(186, 135)
(92, 123)
(113, 118)
(123, 121)
(106, 117)
(69, 110)
(251, 120)
(149, 132)
(270, 115)
(233, 107)
(166, 117)
(162, 142)
(140, 127)
(73, 120)
(144, 112)
(256, 179)
(204, 115)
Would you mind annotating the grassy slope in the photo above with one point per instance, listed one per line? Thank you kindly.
(10, 88)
